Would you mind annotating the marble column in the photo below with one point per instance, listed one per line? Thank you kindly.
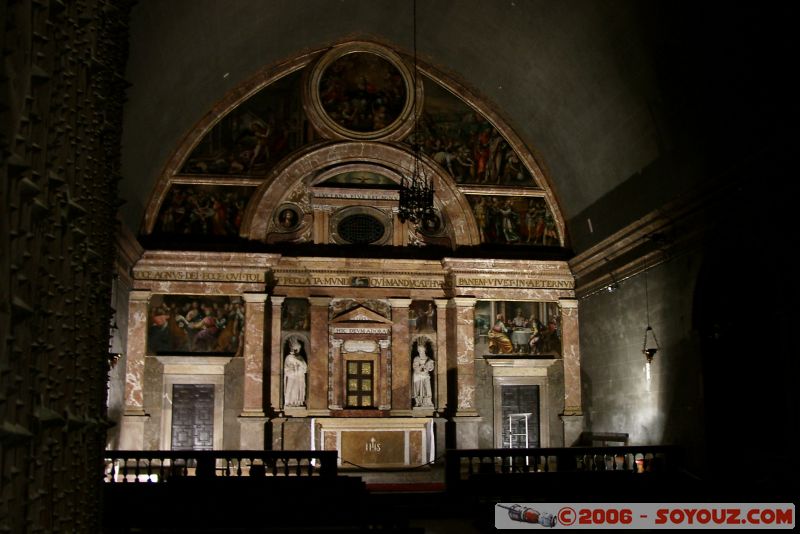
(384, 400)
(254, 304)
(252, 418)
(463, 335)
(441, 354)
(134, 416)
(317, 390)
(275, 356)
(337, 379)
(401, 358)
(571, 353)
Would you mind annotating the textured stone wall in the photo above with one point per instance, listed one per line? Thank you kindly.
(617, 395)
(61, 96)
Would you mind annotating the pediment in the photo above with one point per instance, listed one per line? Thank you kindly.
(360, 314)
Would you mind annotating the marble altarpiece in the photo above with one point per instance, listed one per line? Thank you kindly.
(349, 351)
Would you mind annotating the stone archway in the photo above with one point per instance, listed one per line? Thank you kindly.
(301, 166)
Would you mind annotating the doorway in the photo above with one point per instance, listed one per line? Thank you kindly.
(193, 417)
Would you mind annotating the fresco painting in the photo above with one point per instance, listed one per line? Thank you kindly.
(362, 92)
(251, 139)
(195, 324)
(422, 316)
(515, 327)
(465, 144)
(202, 210)
(514, 220)
(296, 315)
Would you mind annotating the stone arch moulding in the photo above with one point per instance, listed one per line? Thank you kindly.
(259, 213)
(274, 72)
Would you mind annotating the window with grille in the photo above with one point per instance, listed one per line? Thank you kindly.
(360, 229)
(360, 384)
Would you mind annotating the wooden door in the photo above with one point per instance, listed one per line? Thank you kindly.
(192, 417)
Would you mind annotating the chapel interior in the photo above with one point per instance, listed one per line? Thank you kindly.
(436, 254)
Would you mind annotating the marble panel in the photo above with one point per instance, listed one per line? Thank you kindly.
(441, 354)
(571, 354)
(296, 434)
(275, 357)
(234, 433)
(254, 353)
(317, 392)
(401, 360)
(465, 354)
(136, 350)
(416, 447)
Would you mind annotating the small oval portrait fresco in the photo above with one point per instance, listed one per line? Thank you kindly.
(288, 218)
(432, 224)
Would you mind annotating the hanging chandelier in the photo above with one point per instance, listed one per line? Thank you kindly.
(650, 344)
(416, 189)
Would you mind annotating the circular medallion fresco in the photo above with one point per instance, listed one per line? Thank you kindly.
(361, 91)
(288, 218)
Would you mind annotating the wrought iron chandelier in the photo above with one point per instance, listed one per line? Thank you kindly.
(416, 190)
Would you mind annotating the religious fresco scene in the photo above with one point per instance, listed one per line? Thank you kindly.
(295, 315)
(465, 144)
(422, 316)
(362, 92)
(515, 327)
(359, 179)
(514, 220)
(251, 139)
(202, 210)
(195, 324)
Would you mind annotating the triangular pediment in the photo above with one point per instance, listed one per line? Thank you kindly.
(361, 314)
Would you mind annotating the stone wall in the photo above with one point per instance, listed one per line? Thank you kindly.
(617, 395)
(62, 91)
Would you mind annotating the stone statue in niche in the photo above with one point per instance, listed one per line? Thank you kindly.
(294, 374)
(422, 366)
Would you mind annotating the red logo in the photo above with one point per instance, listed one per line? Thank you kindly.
(566, 516)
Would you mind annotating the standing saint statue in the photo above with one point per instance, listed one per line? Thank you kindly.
(422, 366)
(294, 375)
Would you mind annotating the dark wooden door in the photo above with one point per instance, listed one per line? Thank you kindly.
(192, 417)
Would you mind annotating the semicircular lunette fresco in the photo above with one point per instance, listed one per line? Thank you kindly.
(467, 145)
(202, 210)
(252, 138)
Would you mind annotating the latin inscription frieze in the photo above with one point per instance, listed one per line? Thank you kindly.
(360, 281)
(200, 276)
(529, 283)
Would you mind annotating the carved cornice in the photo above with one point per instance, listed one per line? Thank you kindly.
(128, 251)
(651, 240)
